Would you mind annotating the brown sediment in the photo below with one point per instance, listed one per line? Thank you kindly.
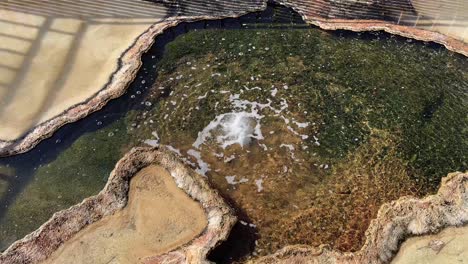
(395, 222)
(82, 222)
(347, 201)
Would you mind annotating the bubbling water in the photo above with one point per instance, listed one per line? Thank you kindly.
(239, 128)
(234, 127)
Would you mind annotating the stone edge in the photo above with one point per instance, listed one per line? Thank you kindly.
(40, 244)
(361, 25)
(396, 221)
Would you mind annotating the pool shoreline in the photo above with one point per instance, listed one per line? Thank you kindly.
(63, 225)
(396, 221)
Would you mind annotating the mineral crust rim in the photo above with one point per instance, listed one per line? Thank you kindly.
(40, 244)
(362, 25)
(395, 222)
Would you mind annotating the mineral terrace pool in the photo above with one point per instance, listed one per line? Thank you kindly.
(303, 131)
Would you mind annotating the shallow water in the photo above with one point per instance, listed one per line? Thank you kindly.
(303, 131)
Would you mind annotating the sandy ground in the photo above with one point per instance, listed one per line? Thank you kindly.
(449, 246)
(158, 218)
(449, 17)
(55, 54)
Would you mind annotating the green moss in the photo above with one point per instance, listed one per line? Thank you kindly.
(79, 172)
(346, 85)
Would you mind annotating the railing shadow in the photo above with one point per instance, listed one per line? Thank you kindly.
(20, 51)
(98, 12)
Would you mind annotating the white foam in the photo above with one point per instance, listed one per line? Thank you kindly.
(274, 92)
(316, 140)
(176, 151)
(152, 142)
(231, 179)
(238, 127)
(259, 184)
(253, 88)
(203, 167)
(203, 96)
(301, 125)
(303, 137)
(228, 159)
(184, 159)
(291, 149)
(288, 146)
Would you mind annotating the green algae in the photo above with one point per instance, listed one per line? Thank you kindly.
(79, 172)
(7, 174)
(342, 82)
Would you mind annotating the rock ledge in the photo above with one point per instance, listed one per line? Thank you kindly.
(40, 244)
(395, 222)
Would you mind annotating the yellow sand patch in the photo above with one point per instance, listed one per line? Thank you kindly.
(56, 54)
(158, 218)
(449, 246)
(449, 17)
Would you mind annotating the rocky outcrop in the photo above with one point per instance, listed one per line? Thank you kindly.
(63, 225)
(395, 221)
